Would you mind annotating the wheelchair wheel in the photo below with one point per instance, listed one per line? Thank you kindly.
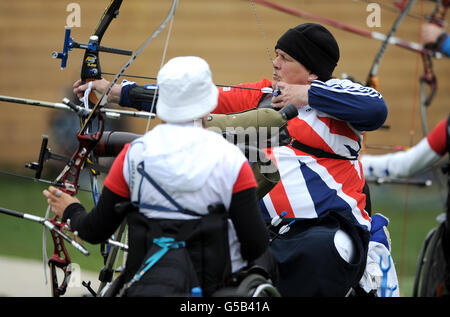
(432, 275)
(256, 285)
(112, 289)
(421, 262)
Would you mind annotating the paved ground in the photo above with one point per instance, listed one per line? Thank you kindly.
(25, 278)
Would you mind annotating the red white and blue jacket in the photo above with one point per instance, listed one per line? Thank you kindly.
(333, 121)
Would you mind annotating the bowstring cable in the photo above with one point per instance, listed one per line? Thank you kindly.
(411, 143)
(255, 13)
(166, 45)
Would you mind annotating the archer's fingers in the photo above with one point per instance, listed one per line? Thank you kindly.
(79, 90)
(51, 200)
(52, 193)
(48, 194)
(76, 88)
(77, 83)
(278, 101)
(280, 85)
(55, 191)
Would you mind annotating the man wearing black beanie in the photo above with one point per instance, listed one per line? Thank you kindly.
(313, 46)
(324, 253)
(321, 188)
(305, 53)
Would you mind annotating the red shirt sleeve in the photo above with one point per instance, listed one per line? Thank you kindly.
(437, 138)
(115, 180)
(245, 179)
(236, 99)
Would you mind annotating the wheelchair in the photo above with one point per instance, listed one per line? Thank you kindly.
(256, 285)
(432, 277)
(254, 282)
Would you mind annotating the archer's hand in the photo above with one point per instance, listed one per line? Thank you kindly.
(58, 200)
(430, 33)
(290, 94)
(100, 85)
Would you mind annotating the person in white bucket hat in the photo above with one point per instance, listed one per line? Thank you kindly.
(194, 167)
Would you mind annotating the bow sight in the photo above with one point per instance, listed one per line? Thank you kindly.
(92, 46)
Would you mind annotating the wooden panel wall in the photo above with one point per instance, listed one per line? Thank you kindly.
(225, 33)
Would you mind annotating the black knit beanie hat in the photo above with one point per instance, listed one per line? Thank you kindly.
(313, 46)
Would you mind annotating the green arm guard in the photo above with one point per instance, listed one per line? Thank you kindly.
(247, 129)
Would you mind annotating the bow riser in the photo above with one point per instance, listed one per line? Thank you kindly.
(71, 173)
(91, 64)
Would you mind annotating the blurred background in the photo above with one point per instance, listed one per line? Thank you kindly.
(233, 40)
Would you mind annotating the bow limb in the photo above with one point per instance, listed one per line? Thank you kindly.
(428, 77)
(372, 79)
(59, 259)
(90, 71)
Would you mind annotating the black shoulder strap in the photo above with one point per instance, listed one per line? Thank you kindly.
(318, 152)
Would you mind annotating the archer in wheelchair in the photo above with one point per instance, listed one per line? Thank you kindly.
(189, 199)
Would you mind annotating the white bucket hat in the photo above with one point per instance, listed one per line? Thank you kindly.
(186, 90)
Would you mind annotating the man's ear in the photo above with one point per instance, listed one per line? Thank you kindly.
(312, 77)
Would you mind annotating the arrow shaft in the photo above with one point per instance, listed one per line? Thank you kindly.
(110, 113)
